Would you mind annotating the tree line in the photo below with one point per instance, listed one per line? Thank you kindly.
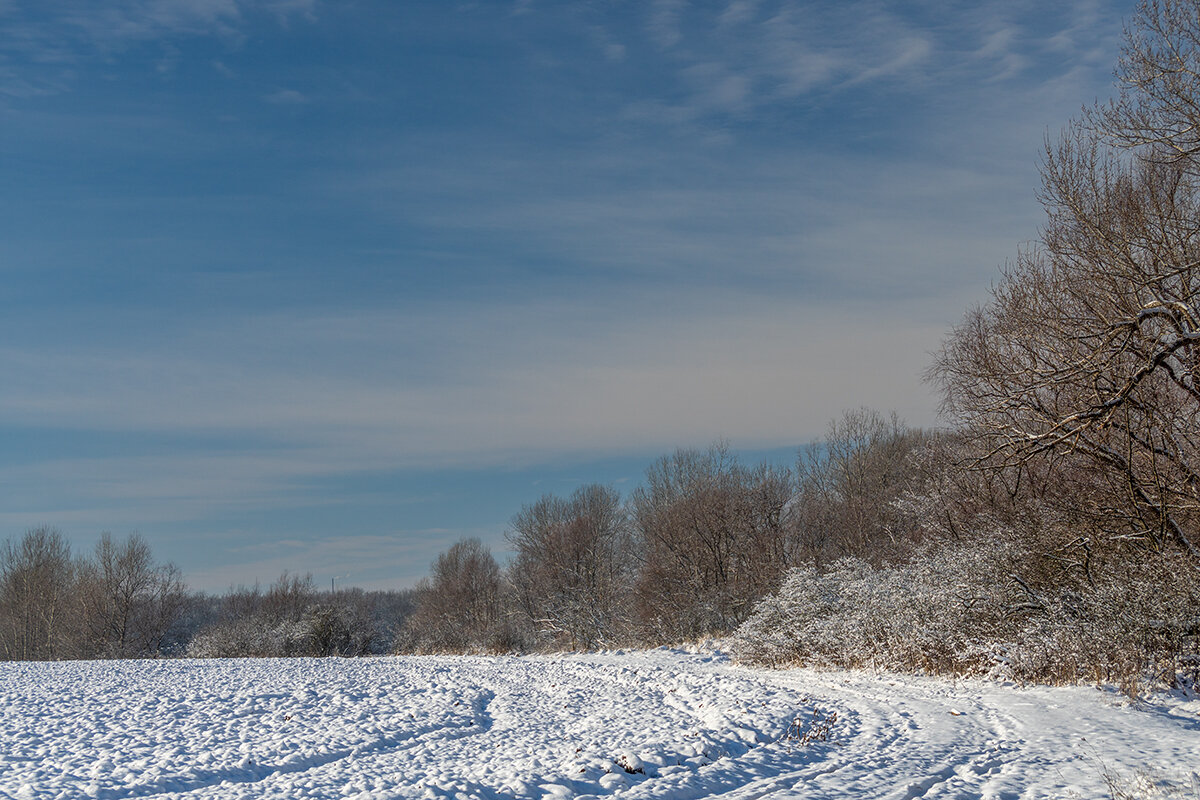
(1064, 542)
(118, 602)
(686, 555)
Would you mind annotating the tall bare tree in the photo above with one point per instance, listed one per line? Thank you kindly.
(459, 606)
(713, 540)
(37, 581)
(573, 567)
(1089, 350)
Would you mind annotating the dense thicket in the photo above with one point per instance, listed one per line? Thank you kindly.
(844, 501)
(293, 618)
(712, 540)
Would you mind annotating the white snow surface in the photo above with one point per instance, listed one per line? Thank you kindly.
(651, 724)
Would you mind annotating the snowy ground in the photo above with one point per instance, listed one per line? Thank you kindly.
(658, 724)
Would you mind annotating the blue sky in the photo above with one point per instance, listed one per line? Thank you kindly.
(325, 286)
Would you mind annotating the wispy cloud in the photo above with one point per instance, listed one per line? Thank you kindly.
(41, 49)
(111, 25)
(664, 22)
(287, 97)
(541, 379)
(750, 56)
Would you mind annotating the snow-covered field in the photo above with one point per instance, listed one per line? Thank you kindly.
(657, 724)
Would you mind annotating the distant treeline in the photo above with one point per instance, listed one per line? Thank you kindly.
(117, 602)
(886, 546)
(686, 556)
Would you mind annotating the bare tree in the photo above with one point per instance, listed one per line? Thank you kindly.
(1089, 350)
(459, 606)
(846, 489)
(162, 608)
(1158, 109)
(37, 580)
(121, 577)
(573, 567)
(713, 540)
(129, 601)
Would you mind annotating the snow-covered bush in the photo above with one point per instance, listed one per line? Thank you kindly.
(937, 613)
(1135, 623)
(240, 638)
(325, 629)
(964, 608)
(290, 619)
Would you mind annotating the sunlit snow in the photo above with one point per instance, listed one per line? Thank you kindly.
(662, 724)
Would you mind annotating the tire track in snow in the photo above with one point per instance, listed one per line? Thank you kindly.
(928, 738)
(685, 726)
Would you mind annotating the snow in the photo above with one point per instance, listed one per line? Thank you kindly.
(654, 724)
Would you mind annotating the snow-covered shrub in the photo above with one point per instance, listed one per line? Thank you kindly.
(966, 608)
(1151, 783)
(251, 636)
(290, 619)
(324, 629)
(337, 629)
(935, 613)
(1136, 622)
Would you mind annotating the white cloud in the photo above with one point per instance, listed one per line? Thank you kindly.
(111, 24)
(739, 11)
(904, 55)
